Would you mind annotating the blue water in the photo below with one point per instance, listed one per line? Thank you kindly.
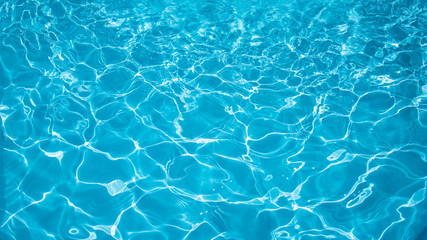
(202, 119)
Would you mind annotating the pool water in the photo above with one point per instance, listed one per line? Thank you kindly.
(267, 119)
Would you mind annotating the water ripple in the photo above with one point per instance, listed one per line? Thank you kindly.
(213, 119)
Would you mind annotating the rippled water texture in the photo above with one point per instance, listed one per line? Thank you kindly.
(191, 119)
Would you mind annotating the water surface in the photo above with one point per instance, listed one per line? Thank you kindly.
(213, 119)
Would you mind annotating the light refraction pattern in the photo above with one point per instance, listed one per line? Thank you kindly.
(204, 119)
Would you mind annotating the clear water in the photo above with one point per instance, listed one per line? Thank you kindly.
(213, 119)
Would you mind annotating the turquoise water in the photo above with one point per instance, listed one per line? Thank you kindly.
(213, 119)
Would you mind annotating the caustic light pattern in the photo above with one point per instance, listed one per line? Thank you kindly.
(210, 119)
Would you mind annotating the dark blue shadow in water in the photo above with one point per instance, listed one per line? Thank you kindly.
(422, 235)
